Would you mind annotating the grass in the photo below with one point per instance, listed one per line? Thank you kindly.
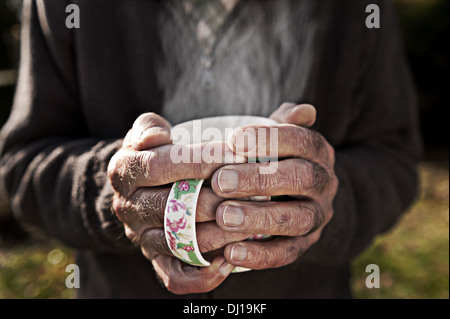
(413, 257)
(35, 271)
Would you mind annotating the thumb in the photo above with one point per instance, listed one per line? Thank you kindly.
(298, 114)
(148, 131)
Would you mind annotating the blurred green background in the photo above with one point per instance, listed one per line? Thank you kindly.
(413, 257)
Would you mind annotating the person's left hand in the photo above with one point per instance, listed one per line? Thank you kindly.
(305, 172)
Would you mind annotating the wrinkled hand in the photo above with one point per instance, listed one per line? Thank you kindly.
(141, 173)
(305, 172)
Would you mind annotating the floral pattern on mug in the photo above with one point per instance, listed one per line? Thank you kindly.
(176, 225)
(180, 221)
(184, 187)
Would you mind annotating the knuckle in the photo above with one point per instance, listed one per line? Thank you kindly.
(310, 178)
(125, 167)
(288, 255)
(291, 254)
(133, 165)
(281, 220)
(160, 245)
(331, 154)
(149, 205)
(308, 221)
(315, 140)
(321, 179)
(115, 170)
(146, 164)
(120, 207)
(311, 142)
(335, 184)
(157, 201)
(113, 165)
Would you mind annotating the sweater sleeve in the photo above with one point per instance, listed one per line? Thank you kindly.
(376, 165)
(52, 172)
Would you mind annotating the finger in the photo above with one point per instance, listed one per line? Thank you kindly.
(180, 278)
(207, 204)
(153, 242)
(293, 176)
(127, 139)
(129, 170)
(281, 141)
(270, 254)
(211, 237)
(149, 130)
(147, 206)
(298, 114)
(144, 207)
(293, 218)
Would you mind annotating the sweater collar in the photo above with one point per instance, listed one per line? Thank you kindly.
(207, 18)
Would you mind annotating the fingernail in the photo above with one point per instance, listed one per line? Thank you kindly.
(245, 141)
(153, 131)
(228, 180)
(226, 268)
(294, 109)
(147, 137)
(238, 253)
(232, 216)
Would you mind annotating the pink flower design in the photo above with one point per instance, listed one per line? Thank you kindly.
(172, 242)
(174, 205)
(188, 248)
(256, 237)
(183, 186)
(176, 225)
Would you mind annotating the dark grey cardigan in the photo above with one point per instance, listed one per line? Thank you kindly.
(79, 91)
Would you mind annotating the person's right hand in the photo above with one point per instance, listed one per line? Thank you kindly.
(142, 173)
